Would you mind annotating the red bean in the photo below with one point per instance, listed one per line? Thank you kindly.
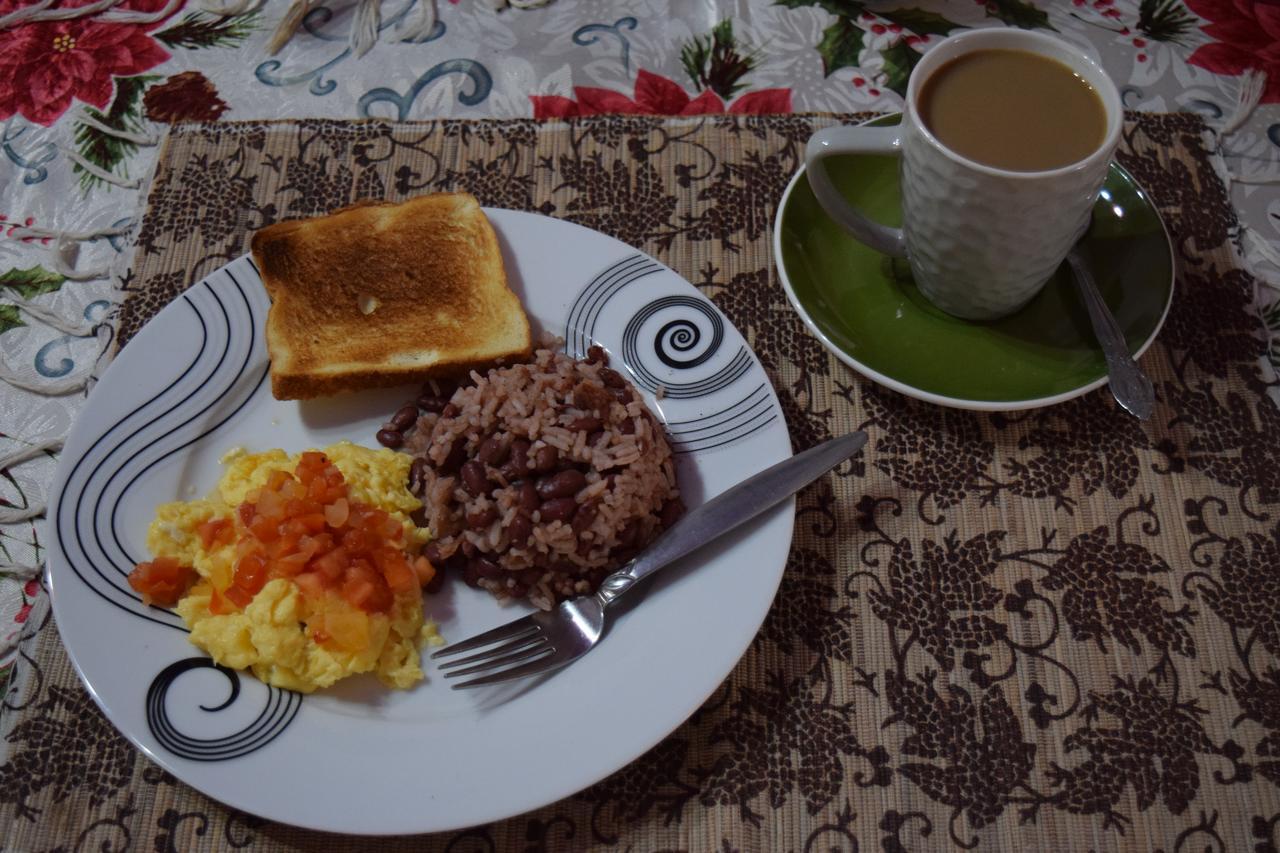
(597, 355)
(558, 509)
(432, 403)
(433, 555)
(406, 417)
(520, 529)
(585, 516)
(474, 479)
(449, 411)
(563, 484)
(418, 476)
(469, 550)
(481, 567)
(529, 499)
(481, 519)
(455, 457)
(627, 427)
(493, 451)
(595, 437)
(612, 378)
(390, 438)
(629, 533)
(585, 424)
(545, 459)
(622, 395)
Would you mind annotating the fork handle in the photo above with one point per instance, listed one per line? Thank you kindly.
(730, 509)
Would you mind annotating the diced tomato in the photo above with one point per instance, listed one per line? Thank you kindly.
(251, 573)
(312, 522)
(215, 531)
(368, 592)
(293, 490)
(270, 505)
(218, 604)
(331, 565)
(307, 547)
(162, 581)
(397, 572)
(355, 540)
(424, 570)
(264, 529)
(311, 463)
(312, 585)
(337, 513)
(238, 596)
(304, 526)
(289, 565)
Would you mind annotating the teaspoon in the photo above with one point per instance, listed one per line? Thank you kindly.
(1129, 385)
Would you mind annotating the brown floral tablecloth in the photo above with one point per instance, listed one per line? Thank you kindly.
(1054, 630)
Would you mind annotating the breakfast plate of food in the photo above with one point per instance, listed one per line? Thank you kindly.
(384, 430)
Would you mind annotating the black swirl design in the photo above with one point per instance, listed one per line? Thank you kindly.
(580, 328)
(682, 335)
(218, 376)
(734, 422)
(674, 339)
(277, 713)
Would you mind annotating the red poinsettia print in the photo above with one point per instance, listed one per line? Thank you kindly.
(657, 95)
(46, 65)
(1247, 34)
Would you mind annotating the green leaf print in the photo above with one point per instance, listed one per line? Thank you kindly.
(920, 21)
(898, 62)
(1271, 319)
(843, 8)
(103, 150)
(32, 281)
(841, 43)
(199, 29)
(1017, 13)
(714, 61)
(9, 318)
(1165, 20)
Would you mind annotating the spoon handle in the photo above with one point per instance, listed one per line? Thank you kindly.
(1129, 385)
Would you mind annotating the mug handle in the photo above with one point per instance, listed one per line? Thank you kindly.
(853, 140)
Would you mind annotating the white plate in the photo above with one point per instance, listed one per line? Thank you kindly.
(360, 758)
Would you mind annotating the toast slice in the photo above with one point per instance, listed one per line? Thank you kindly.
(384, 294)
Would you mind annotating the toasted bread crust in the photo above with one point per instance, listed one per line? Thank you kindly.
(431, 266)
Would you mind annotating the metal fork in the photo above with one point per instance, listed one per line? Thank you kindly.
(548, 640)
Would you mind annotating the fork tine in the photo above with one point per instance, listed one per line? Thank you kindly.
(509, 631)
(536, 650)
(533, 667)
(516, 645)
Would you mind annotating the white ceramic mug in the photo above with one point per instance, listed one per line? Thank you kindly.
(981, 241)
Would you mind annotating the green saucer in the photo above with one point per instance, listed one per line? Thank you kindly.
(866, 309)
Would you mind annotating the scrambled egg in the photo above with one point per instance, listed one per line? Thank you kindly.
(269, 635)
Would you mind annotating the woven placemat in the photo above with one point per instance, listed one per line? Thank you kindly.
(1049, 631)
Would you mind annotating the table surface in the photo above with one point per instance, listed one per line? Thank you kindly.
(87, 100)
